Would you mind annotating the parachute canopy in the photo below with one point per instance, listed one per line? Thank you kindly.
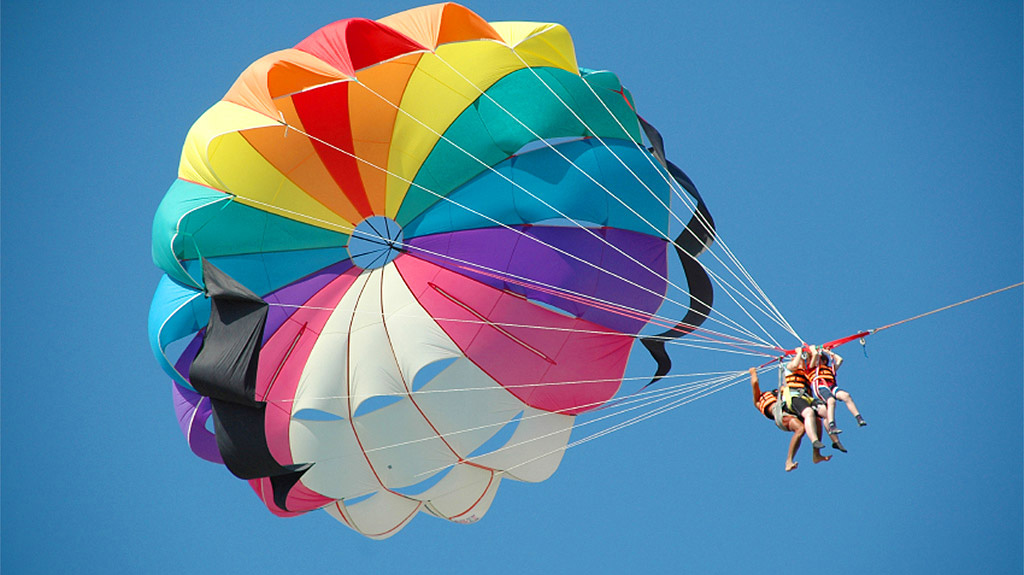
(401, 258)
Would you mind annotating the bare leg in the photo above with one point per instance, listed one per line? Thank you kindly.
(831, 411)
(823, 414)
(794, 442)
(833, 434)
(848, 400)
(809, 427)
(817, 457)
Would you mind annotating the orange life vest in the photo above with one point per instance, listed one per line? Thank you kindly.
(765, 403)
(823, 375)
(797, 379)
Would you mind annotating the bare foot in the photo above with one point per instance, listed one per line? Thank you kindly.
(818, 458)
(792, 466)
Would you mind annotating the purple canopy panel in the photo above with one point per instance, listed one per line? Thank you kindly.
(193, 410)
(596, 283)
(287, 300)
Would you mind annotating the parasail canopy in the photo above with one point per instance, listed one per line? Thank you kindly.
(401, 257)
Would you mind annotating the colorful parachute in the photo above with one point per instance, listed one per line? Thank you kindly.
(403, 256)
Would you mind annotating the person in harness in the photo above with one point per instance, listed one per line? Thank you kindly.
(767, 402)
(821, 371)
(797, 398)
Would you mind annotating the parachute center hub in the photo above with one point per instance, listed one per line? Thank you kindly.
(375, 242)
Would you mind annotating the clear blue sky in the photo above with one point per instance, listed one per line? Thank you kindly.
(887, 134)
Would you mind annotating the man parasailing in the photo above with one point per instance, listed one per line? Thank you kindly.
(821, 370)
(797, 399)
(768, 403)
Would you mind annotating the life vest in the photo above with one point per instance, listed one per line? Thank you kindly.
(796, 380)
(769, 405)
(795, 384)
(765, 403)
(824, 375)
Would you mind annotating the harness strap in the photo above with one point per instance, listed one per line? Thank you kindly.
(778, 414)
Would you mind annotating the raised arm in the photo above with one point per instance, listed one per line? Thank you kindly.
(797, 362)
(815, 359)
(837, 360)
(754, 384)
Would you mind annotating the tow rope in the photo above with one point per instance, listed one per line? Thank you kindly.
(863, 334)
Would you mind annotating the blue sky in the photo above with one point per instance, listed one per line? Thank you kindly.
(885, 135)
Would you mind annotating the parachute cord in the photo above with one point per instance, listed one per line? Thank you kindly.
(639, 401)
(613, 307)
(289, 127)
(199, 256)
(191, 235)
(708, 390)
(663, 235)
(674, 186)
(754, 288)
(730, 341)
(646, 154)
(588, 407)
(675, 399)
(591, 301)
(653, 413)
(728, 289)
(512, 278)
(484, 216)
(296, 129)
(546, 204)
(675, 404)
(405, 246)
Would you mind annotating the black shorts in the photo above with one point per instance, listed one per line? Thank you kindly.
(824, 393)
(799, 403)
